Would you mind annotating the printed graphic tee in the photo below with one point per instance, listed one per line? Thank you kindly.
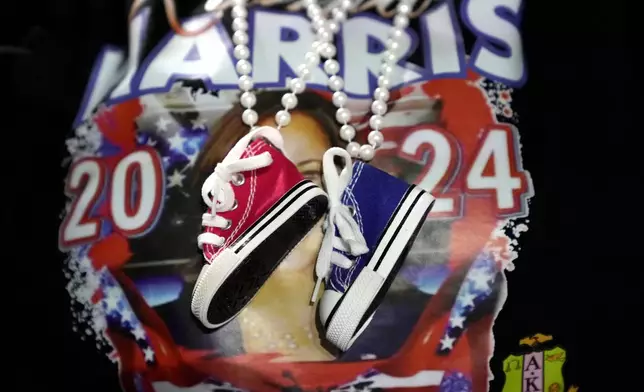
(149, 128)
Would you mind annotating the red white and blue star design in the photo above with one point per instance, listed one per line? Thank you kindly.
(119, 315)
(178, 143)
(476, 289)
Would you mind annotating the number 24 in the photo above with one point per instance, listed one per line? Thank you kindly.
(507, 182)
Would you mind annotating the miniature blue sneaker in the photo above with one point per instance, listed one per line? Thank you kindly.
(372, 221)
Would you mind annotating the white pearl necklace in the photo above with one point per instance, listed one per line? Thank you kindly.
(323, 47)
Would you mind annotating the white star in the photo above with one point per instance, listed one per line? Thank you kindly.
(480, 279)
(457, 321)
(176, 142)
(447, 343)
(126, 315)
(162, 124)
(176, 179)
(138, 333)
(192, 158)
(149, 354)
(467, 300)
(199, 123)
(113, 292)
(112, 303)
(84, 262)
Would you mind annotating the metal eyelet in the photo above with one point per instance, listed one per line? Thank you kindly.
(228, 224)
(234, 207)
(238, 179)
(353, 210)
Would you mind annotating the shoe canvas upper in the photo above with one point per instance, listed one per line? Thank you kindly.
(373, 195)
(260, 190)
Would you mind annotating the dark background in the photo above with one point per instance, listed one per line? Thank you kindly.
(577, 276)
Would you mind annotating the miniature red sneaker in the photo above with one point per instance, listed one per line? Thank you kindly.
(260, 208)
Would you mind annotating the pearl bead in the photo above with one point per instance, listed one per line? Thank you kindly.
(367, 152)
(403, 8)
(289, 100)
(401, 21)
(379, 107)
(318, 17)
(313, 10)
(249, 117)
(239, 11)
(396, 33)
(317, 24)
(240, 37)
(393, 46)
(324, 35)
(248, 99)
(298, 85)
(389, 57)
(241, 52)
(347, 132)
(303, 72)
(240, 24)
(375, 138)
(243, 67)
(323, 29)
(335, 83)
(327, 50)
(343, 115)
(245, 83)
(331, 67)
(375, 122)
(312, 58)
(339, 14)
(339, 98)
(323, 47)
(383, 81)
(353, 149)
(283, 118)
(381, 94)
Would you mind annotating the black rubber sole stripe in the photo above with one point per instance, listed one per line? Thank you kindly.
(242, 240)
(389, 223)
(241, 286)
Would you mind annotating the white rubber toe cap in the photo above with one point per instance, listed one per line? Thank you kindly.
(328, 301)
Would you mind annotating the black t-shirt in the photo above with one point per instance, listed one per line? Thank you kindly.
(573, 288)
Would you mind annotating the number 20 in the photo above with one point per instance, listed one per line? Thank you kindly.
(135, 192)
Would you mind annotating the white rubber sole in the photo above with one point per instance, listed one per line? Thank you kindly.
(341, 329)
(213, 275)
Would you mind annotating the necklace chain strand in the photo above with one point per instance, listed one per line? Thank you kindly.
(323, 47)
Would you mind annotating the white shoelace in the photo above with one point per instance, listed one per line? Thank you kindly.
(217, 191)
(351, 239)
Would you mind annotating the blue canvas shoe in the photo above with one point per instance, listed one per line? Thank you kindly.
(372, 221)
